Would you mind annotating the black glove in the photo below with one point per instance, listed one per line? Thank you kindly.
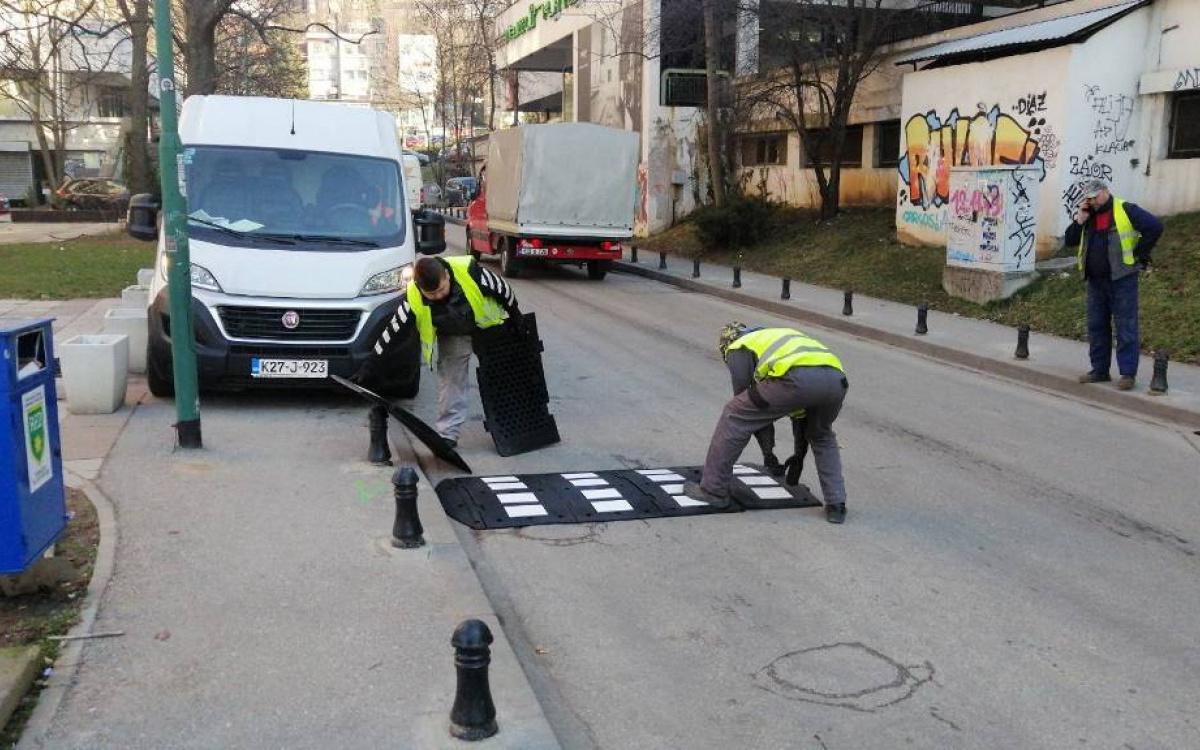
(516, 323)
(793, 467)
(772, 465)
(366, 374)
(1143, 262)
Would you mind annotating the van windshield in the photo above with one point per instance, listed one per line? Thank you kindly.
(314, 200)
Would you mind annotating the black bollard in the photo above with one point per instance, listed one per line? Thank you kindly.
(922, 312)
(633, 254)
(473, 716)
(406, 531)
(848, 302)
(695, 268)
(1022, 342)
(737, 277)
(1158, 384)
(662, 261)
(787, 289)
(377, 423)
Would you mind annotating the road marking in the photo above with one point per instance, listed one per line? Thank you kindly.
(523, 511)
(612, 506)
(601, 494)
(757, 480)
(666, 478)
(744, 470)
(489, 480)
(653, 472)
(672, 489)
(687, 502)
(510, 498)
(580, 475)
(589, 482)
(497, 486)
(772, 493)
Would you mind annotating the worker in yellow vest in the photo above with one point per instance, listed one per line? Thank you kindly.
(448, 299)
(792, 373)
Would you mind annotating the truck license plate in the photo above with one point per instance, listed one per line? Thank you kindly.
(289, 368)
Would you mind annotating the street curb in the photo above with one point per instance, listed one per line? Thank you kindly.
(26, 659)
(69, 657)
(1064, 386)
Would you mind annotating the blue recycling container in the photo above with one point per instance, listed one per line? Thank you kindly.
(33, 503)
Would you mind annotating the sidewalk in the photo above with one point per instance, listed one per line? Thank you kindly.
(13, 233)
(1054, 363)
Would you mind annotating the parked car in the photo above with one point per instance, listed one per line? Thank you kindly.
(431, 195)
(94, 193)
(461, 190)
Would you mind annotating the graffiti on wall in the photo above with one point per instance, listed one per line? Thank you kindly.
(1048, 145)
(992, 221)
(1188, 79)
(1023, 222)
(1112, 115)
(934, 145)
(1031, 104)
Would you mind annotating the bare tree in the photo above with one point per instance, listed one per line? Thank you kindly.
(139, 175)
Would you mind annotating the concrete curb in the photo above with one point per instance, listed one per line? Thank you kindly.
(70, 657)
(18, 671)
(1046, 381)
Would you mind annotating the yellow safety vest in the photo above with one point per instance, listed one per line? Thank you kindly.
(778, 350)
(488, 312)
(1125, 232)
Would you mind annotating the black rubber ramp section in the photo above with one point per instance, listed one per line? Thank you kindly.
(512, 387)
(504, 502)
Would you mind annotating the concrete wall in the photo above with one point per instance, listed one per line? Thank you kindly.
(981, 114)
(795, 184)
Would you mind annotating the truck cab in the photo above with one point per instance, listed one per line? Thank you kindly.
(301, 244)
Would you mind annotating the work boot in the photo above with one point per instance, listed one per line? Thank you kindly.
(696, 492)
(379, 453)
(835, 513)
(772, 465)
(1125, 383)
(1094, 377)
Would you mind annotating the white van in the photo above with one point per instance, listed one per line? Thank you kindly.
(413, 180)
(301, 243)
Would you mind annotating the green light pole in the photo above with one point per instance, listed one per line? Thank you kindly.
(175, 241)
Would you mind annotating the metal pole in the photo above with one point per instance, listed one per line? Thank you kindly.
(175, 240)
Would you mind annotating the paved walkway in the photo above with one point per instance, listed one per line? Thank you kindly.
(12, 233)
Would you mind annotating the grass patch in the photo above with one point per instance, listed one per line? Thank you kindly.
(33, 618)
(87, 267)
(858, 250)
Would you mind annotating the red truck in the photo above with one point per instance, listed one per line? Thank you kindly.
(561, 193)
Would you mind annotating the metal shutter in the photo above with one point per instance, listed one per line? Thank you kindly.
(16, 174)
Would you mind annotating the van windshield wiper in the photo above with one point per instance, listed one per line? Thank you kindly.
(323, 238)
(240, 235)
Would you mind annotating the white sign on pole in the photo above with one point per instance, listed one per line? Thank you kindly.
(37, 437)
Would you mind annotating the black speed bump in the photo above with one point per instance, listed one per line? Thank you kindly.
(510, 501)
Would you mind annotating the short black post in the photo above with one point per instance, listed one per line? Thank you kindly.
(848, 302)
(1158, 384)
(473, 716)
(787, 289)
(695, 268)
(377, 423)
(922, 312)
(633, 254)
(407, 532)
(1022, 342)
(662, 261)
(737, 277)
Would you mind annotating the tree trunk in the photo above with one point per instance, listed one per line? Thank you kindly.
(716, 169)
(201, 46)
(139, 177)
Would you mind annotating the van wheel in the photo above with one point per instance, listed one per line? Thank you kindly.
(509, 265)
(158, 374)
(597, 269)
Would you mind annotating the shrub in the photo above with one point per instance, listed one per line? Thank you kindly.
(743, 221)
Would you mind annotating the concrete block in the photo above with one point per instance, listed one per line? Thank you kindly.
(137, 296)
(95, 372)
(130, 322)
(19, 667)
(982, 287)
(145, 276)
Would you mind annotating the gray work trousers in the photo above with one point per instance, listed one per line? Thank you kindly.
(818, 390)
(453, 367)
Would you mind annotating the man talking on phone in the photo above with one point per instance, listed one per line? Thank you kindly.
(1113, 240)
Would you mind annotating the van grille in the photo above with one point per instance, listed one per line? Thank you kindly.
(267, 323)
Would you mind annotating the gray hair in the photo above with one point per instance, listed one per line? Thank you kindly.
(1093, 187)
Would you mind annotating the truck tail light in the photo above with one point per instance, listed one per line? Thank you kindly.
(536, 243)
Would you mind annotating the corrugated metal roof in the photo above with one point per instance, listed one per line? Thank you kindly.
(1042, 33)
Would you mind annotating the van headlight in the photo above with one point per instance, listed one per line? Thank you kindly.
(393, 280)
(202, 278)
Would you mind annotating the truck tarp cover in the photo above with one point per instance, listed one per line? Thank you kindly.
(567, 179)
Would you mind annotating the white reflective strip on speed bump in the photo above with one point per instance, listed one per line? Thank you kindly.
(490, 480)
(612, 506)
(580, 475)
(522, 511)
(665, 478)
(772, 493)
(601, 494)
(589, 482)
(508, 498)
(672, 489)
(758, 480)
(739, 470)
(497, 486)
(687, 502)
(653, 472)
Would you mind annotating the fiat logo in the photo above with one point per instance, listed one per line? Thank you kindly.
(291, 320)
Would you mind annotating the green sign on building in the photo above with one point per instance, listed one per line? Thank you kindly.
(548, 10)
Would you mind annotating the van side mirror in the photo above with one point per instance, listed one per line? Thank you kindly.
(141, 220)
(430, 229)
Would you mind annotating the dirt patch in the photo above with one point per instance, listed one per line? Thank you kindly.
(33, 618)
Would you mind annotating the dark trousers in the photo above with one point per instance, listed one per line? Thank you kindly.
(1113, 303)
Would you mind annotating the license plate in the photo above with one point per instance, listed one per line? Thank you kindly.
(289, 368)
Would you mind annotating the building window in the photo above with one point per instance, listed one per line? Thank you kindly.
(764, 150)
(851, 148)
(112, 102)
(1185, 126)
(887, 144)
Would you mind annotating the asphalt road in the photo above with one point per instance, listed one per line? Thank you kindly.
(1017, 570)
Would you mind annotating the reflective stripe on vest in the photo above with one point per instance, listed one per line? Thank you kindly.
(487, 311)
(778, 350)
(1125, 233)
